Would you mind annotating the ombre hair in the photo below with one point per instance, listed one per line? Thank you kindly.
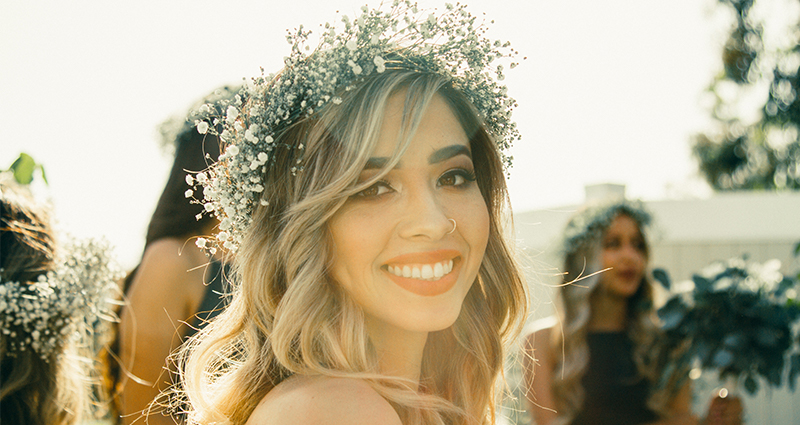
(582, 246)
(288, 316)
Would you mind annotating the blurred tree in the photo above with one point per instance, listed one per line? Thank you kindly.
(761, 60)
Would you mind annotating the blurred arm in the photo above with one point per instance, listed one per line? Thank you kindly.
(164, 293)
(538, 364)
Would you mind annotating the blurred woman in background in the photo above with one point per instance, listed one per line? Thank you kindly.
(599, 361)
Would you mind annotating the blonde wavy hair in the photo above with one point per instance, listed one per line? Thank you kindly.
(288, 316)
(582, 246)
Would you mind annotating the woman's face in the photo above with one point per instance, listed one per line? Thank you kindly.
(623, 250)
(394, 248)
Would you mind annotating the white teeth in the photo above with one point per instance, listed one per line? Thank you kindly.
(425, 272)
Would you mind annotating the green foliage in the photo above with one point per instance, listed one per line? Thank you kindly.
(737, 320)
(764, 154)
(24, 167)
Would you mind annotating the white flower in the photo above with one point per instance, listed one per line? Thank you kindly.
(232, 150)
(263, 157)
(189, 180)
(380, 64)
(208, 206)
(351, 45)
(204, 109)
(188, 193)
(202, 127)
(232, 113)
(223, 236)
(201, 242)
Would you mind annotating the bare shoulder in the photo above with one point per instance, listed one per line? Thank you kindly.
(323, 401)
(169, 271)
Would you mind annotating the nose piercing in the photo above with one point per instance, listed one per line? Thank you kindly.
(454, 226)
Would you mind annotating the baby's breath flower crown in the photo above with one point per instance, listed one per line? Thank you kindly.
(448, 42)
(62, 304)
(590, 224)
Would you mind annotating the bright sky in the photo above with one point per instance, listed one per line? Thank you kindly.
(611, 92)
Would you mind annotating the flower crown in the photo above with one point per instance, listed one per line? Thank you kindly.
(62, 304)
(445, 42)
(590, 224)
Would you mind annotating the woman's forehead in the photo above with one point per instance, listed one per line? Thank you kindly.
(438, 128)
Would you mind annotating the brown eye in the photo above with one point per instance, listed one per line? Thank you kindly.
(376, 189)
(456, 178)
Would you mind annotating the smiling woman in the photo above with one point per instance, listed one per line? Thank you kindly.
(362, 195)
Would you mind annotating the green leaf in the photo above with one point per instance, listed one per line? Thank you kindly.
(701, 284)
(662, 277)
(750, 385)
(794, 372)
(672, 313)
(44, 176)
(23, 168)
(722, 359)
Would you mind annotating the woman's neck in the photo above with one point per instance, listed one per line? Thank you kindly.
(399, 351)
(608, 313)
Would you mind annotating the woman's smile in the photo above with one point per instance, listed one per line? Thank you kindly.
(426, 273)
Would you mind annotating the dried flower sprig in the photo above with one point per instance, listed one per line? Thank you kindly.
(62, 304)
(450, 42)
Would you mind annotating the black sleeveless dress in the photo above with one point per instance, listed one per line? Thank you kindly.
(615, 393)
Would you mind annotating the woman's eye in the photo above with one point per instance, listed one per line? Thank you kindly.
(458, 177)
(376, 189)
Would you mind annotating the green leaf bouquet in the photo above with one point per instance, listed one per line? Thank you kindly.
(739, 319)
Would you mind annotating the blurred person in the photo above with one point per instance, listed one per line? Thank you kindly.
(599, 361)
(363, 196)
(53, 299)
(176, 287)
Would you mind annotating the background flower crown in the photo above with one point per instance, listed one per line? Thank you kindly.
(448, 42)
(590, 224)
(64, 303)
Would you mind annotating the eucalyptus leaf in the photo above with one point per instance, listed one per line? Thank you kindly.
(750, 384)
(702, 284)
(738, 321)
(722, 359)
(794, 371)
(672, 313)
(662, 277)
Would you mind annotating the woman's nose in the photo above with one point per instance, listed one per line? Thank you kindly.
(424, 216)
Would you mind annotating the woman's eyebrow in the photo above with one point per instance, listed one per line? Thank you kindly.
(376, 163)
(443, 154)
(448, 152)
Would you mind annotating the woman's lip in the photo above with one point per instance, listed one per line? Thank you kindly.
(428, 257)
(427, 288)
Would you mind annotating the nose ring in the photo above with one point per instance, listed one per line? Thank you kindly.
(454, 226)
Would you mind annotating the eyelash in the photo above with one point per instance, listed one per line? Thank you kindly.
(466, 175)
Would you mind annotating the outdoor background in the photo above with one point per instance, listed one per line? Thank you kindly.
(610, 91)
